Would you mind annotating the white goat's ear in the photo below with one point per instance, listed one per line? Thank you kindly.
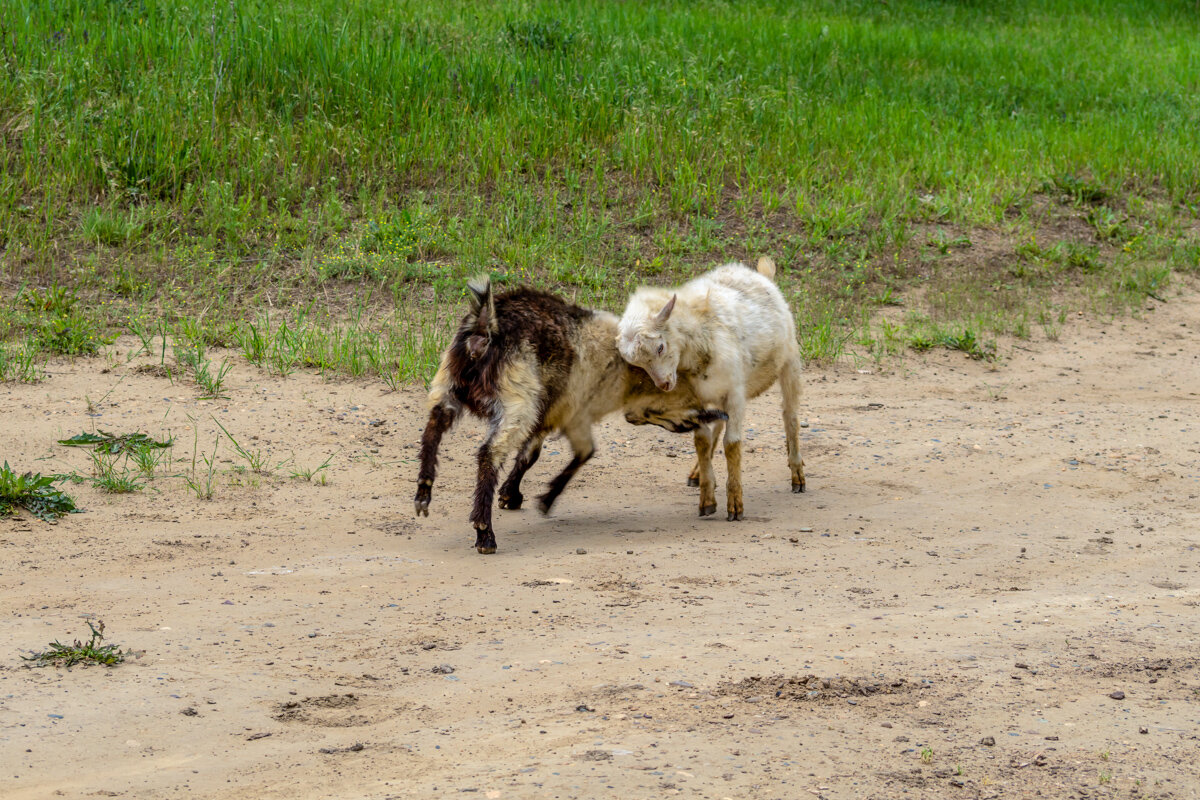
(661, 318)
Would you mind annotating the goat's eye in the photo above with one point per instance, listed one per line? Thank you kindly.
(661, 347)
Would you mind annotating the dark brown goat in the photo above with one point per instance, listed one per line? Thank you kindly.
(531, 365)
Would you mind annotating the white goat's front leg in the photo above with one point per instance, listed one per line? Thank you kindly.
(735, 406)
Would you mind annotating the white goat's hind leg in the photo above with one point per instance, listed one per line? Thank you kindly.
(697, 468)
(705, 439)
(791, 387)
(736, 408)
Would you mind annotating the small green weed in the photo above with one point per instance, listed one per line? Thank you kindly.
(302, 473)
(33, 492)
(72, 334)
(944, 244)
(20, 363)
(212, 381)
(115, 444)
(969, 343)
(106, 227)
(548, 36)
(926, 755)
(256, 460)
(91, 652)
(887, 297)
(202, 482)
(1084, 257)
(108, 478)
(1081, 190)
(56, 300)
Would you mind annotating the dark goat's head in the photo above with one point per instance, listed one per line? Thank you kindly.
(483, 309)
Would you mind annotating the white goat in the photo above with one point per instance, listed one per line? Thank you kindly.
(731, 334)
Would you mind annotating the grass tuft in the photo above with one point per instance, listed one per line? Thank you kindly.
(89, 652)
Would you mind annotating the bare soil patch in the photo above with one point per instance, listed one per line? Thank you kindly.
(989, 591)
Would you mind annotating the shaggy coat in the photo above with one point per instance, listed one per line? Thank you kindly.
(531, 364)
(731, 334)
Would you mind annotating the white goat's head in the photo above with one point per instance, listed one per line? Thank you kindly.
(648, 346)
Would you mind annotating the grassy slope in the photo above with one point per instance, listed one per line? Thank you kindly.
(187, 168)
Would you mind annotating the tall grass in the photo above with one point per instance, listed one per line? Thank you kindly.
(229, 153)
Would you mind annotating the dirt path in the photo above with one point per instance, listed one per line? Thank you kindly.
(982, 560)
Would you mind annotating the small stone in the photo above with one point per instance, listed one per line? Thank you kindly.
(442, 669)
(628, 552)
(429, 645)
(190, 712)
(806, 530)
(1117, 695)
(254, 736)
(988, 741)
(579, 551)
(1143, 730)
(887, 725)
(684, 684)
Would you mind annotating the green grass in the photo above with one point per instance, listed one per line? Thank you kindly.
(89, 652)
(345, 167)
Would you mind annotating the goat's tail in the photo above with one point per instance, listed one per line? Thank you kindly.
(766, 267)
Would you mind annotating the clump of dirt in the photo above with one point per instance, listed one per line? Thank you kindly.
(810, 688)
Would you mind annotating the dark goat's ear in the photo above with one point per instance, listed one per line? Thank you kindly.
(482, 304)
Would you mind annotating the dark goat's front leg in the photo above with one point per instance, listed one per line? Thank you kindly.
(510, 491)
(441, 419)
(584, 448)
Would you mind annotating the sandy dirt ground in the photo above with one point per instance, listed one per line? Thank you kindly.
(990, 590)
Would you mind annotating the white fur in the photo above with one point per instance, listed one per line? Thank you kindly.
(732, 335)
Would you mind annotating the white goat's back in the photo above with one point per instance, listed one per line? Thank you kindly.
(755, 318)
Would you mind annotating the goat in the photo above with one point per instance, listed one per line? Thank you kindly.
(531, 364)
(731, 334)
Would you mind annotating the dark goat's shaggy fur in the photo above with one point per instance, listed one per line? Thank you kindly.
(531, 364)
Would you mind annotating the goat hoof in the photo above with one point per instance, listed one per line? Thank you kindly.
(693, 481)
(734, 516)
(544, 506)
(797, 488)
(511, 501)
(422, 508)
(708, 511)
(485, 540)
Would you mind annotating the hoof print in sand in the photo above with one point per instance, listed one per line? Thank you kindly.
(330, 711)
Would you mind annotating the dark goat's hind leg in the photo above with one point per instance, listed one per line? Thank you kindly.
(441, 419)
(510, 491)
(584, 447)
(485, 488)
